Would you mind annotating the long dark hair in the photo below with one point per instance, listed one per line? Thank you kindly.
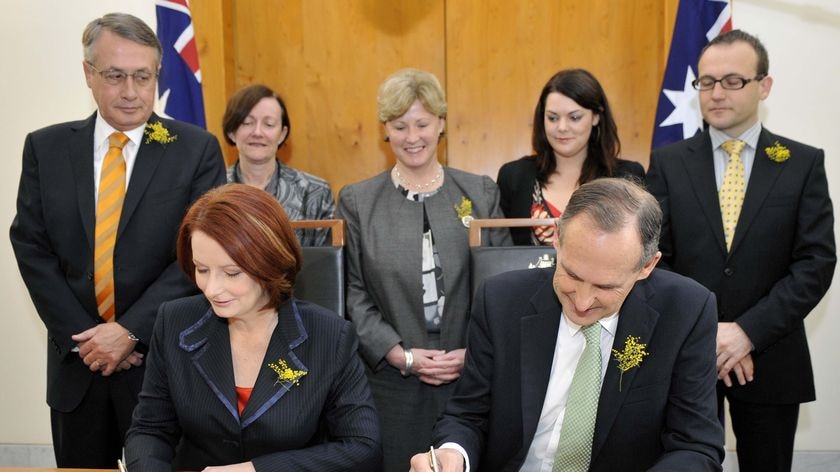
(603, 147)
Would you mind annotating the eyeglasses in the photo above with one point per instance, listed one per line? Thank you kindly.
(730, 82)
(141, 78)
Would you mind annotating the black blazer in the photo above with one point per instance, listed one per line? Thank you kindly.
(52, 236)
(664, 416)
(516, 181)
(187, 417)
(782, 257)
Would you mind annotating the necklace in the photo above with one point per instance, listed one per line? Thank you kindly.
(419, 187)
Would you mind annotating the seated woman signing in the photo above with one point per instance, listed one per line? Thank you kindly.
(245, 377)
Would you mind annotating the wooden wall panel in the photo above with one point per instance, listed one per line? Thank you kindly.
(500, 54)
(213, 34)
(327, 59)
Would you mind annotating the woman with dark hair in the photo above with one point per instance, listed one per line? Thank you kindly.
(575, 140)
(257, 121)
(245, 377)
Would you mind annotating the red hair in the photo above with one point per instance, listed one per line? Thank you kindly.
(255, 232)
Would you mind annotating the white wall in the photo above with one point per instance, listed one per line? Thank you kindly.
(42, 83)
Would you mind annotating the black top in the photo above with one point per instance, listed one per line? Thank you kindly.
(516, 182)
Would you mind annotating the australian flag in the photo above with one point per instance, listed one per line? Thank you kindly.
(678, 114)
(179, 85)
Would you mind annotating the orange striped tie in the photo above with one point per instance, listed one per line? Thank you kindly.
(108, 210)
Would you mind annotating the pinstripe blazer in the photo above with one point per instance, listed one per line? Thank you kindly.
(187, 417)
(384, 286)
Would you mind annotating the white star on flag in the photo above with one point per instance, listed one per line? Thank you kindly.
(161, 105)
(686, 107)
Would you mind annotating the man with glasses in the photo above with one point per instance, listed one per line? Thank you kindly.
(99, 205)
(747, 214)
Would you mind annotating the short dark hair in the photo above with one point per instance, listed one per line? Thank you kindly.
(241, 104)
(612, 204)
(254, 230)
(763, 66)
(123, 25)
(603, 147)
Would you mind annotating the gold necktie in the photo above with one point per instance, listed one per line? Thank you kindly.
(731, 194)
(108, 210)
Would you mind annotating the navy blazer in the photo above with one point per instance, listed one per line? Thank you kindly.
(782, 258)
(187, 417)
(662, 417)
(52, 235)
(516, 181)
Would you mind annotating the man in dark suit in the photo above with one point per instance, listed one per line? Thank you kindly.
(99, 311)
(654, 397)
(769, 265)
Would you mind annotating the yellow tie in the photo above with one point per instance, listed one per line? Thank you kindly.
(108, 210)
(731, 194)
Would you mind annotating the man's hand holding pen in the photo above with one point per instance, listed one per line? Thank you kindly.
(438, 460)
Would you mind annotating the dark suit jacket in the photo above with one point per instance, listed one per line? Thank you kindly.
(663, 417)
(516, 184)
(325, 423)
(782, 257)
(52, 235)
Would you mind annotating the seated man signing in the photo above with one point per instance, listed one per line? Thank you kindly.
(605, 364)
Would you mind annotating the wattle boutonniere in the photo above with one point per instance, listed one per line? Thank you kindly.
(777, 152)
(630, 357)
(286, 376)
(464, 211)
(158, 133)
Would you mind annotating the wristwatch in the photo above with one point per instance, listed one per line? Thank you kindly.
(132, 337)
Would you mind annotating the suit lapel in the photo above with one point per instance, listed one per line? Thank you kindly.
(763, 177)
(700, 168)
(208, 341)
(289, 334)
(636, 318)
(80, 153)
(148, 158)
(538, 337)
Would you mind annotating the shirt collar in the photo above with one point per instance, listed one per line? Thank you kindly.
(102, 131)
(750, 136)
(608, 323)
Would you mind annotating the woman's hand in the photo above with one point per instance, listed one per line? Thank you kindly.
(438, 367)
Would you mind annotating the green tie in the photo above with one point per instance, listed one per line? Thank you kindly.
(575, 447)
(731, 193)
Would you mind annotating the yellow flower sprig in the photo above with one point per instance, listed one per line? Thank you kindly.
(632, 355)
(777, 152)
(285, 374)
(156, 132)
(464, 211)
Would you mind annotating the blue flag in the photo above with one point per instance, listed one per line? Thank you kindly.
(179, 85)
(678, 114)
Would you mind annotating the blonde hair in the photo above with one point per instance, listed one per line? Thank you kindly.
(399, 91)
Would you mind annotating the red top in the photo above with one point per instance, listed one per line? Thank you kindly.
(242, 396)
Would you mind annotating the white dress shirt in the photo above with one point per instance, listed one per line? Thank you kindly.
(567, 351)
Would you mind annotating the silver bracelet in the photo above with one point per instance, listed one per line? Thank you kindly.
(409, 362)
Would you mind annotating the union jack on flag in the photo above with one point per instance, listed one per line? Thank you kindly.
(678, 114)
(179, 85)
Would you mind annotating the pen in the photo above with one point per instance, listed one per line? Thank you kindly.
(433, 460)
